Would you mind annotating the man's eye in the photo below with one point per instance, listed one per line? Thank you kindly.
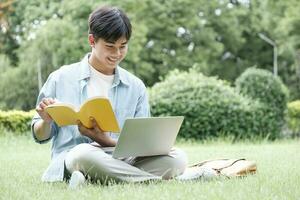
(109, 46)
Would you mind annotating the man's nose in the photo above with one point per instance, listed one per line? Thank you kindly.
(118, 52)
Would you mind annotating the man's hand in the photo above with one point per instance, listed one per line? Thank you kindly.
(42, 127)
(40, 109)
(96, 134)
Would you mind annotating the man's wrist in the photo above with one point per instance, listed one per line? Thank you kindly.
(109, 143)
(112, 143)
(42, 130)
(47, 122)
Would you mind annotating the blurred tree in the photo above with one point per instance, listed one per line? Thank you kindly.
(8, 43)
(18, 88)
(179, 36)
(288, 36)
(4, 63)
(49, 50)
(218, 37)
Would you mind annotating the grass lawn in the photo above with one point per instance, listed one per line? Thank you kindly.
(22, 163)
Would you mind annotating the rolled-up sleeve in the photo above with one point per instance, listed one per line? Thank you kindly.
(47, 91)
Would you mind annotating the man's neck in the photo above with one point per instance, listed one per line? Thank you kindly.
(100, 68)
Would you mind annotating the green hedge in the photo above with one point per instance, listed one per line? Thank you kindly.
(211, 107)
(294, 117)
(15, 121)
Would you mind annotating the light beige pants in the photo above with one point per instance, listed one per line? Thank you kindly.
(98, 164)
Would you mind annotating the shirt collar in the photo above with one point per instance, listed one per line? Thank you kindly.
(84, 72)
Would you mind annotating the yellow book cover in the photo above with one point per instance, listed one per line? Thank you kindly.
(97, 107)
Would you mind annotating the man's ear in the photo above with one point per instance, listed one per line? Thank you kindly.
(92, 40)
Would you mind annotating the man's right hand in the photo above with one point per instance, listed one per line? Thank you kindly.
(40, 109)
(96, 134)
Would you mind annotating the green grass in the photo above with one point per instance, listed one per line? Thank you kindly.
(22, 163)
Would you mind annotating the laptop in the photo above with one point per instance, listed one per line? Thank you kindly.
(147, 136)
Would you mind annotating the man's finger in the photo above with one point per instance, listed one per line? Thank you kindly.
(43, 105)
(79, 124)
(95, 124)
(81, 128)
(52, 100)
(38, 108)
(45, 101)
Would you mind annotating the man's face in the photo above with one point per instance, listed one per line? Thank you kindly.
(110, 54)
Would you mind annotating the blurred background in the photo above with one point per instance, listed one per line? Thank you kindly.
(218, 37)
(229, 66)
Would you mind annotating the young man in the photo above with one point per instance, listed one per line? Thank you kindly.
(79, 152)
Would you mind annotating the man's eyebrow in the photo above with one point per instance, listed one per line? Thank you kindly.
(111, 42)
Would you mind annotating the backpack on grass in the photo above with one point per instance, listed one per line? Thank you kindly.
(219, 167)
(229, 167)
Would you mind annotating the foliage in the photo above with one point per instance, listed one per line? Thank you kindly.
(218, 38)
(49, 50)
(4, 63)
(264, 86)
(211, 108)
(294, 109)
(8, 42)
(22, 81)
(294, 116)
(15, 121)
(18, 88)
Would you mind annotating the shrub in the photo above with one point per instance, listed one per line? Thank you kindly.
(15, 121)
(211, 107)
(294, 109)
(294, 117)
(264, 86)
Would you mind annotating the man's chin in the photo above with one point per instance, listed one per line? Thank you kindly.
(112, 65)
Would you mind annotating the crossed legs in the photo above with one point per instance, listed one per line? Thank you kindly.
(98, 164)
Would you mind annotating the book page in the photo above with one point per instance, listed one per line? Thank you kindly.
(62, 114)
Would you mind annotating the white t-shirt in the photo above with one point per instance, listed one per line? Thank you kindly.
(99, 84)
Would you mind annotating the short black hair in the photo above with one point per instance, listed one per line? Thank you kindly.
(110, 24)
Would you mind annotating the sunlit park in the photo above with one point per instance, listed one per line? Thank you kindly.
(171, 99)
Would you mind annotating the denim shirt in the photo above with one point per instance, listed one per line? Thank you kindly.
(68, 84)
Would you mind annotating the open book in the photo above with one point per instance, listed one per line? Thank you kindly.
(97, 107)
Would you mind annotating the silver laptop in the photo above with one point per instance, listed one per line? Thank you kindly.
(147, 136)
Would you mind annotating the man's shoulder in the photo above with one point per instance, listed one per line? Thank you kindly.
(71, 68)
(129, 78)
(65, 71)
